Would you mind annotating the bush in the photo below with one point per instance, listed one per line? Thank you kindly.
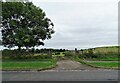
(16, 54)
(42, 56)
(69, 54)
(57, 53)
(98, 55)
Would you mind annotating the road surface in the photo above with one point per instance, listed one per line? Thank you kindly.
(63, 75)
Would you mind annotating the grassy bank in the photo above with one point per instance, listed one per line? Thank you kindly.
(103, 59)
(35, 64)
(109, 53)
(104, 65)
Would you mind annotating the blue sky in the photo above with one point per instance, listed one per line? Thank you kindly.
(81, 23)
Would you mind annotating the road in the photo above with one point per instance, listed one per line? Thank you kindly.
(63, 75)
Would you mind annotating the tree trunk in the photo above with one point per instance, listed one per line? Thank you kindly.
(27, 49)
(19, 48)
(33, 50)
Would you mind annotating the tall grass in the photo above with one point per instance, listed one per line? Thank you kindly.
(100, 53)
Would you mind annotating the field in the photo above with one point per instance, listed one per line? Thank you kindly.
(101, 53)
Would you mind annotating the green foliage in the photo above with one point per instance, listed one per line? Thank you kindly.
(24, 25)
(58, 54)
(41, 56)
(16, 54)
(69, 54)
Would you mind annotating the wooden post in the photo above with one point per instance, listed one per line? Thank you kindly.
(76, 52)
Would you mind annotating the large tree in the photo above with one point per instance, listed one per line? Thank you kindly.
(24, 25)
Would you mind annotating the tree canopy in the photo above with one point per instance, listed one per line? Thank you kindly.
(24, 25)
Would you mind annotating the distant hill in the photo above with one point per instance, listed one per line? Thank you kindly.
(104, 49)
(101, 53)
(107, 49)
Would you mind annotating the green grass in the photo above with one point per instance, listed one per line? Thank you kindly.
(104, 59)
(109, 53)
(107, 49)
(28, 64)
(104, 64)
(108, 64)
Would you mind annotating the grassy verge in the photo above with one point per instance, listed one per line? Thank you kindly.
(105, 65)
(28, 64)
(104, 59)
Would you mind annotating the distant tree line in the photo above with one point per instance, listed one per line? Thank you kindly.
(45, 50)
(23, 54)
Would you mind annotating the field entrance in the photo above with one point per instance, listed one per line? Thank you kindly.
(71, 65)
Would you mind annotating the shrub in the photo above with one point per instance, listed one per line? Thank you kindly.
(16, 54)
(98, 55)
(69, 54)
(40, 56)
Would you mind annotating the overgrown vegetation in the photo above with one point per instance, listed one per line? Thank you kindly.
(100, 53)
(32, 54)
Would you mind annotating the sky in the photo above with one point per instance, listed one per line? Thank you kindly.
(81, 23)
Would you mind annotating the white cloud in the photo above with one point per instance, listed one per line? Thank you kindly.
(74, 0)
(82, 24)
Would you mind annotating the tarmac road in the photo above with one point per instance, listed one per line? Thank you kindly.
(63, 75)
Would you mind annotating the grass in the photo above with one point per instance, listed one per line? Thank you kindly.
(104, 59)
(104, 64)
(28, 64)
(107, 49)
(109, 53)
